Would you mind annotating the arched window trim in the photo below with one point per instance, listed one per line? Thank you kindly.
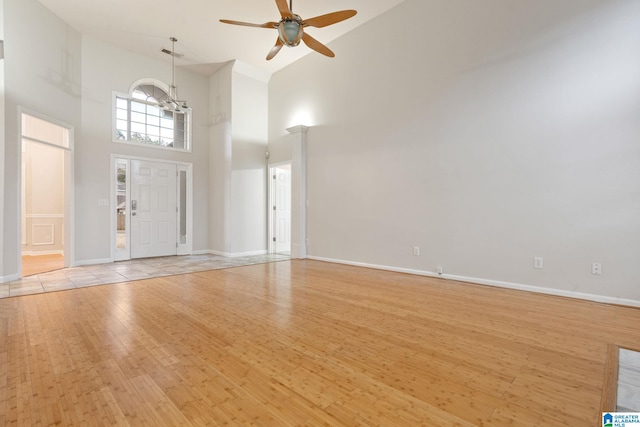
(154, 127)
(148, 81)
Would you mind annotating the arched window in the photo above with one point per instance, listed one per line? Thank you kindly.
(145, 117)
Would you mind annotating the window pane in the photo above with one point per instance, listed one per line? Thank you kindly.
(153, 120)
(139, 95)
(153, 130)
(141, 120)
(137, 127)
(121, 125)
(152, 110)
(166, 133)
(139, 107)
(138, 117)
(122, 103)
(183, 207)
(121, 205)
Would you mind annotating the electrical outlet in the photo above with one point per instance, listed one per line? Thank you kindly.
(538, 262)
(596, 268)
(439, 270)
(416, 250)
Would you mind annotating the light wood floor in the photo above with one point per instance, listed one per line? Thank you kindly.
(305, 343)
(36, 264)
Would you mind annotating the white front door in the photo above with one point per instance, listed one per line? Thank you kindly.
(282, 208)
(153, 209)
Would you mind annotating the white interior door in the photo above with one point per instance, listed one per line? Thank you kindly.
(282, 208)
(153, 209)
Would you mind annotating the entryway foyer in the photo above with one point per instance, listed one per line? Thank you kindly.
(125, 271)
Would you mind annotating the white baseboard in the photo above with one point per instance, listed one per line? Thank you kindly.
(201, 252)
(232, 254)
(91, 262)
(487, 282)
(36, 253)
(10, 278)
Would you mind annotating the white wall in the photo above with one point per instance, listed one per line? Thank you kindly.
(42, 74)
(238, 140)
(485, 133)
(249, 126)
(220, 154)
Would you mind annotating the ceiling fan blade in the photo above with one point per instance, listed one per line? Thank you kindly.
(249, 24)
(329, 18)
(283, 7)
(275, 49)
(317, 46)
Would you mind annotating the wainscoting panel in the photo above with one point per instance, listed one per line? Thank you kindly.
(42, 234)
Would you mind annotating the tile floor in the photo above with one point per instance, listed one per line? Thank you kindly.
(124, 271)
(628, 381)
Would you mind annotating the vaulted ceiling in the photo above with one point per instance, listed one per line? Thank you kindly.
(144, 26)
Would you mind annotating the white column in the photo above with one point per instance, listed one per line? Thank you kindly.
(299, 191)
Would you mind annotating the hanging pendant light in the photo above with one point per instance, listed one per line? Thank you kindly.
(171, 102)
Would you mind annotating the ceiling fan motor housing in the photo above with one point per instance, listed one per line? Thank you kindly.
(290, 31)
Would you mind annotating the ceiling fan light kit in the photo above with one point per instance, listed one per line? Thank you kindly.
(291, 28)
(290, 31)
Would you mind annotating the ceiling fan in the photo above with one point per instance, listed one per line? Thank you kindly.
(291, 28)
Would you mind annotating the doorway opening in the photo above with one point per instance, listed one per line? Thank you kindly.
(152, 215)
(280, 209)
(46, 191)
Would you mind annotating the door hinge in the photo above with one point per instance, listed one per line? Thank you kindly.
(274, 208)
(274, 239)
(274, 177)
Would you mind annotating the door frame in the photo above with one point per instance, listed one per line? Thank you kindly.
(182, 249)
(272, 244)
(69, 187)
